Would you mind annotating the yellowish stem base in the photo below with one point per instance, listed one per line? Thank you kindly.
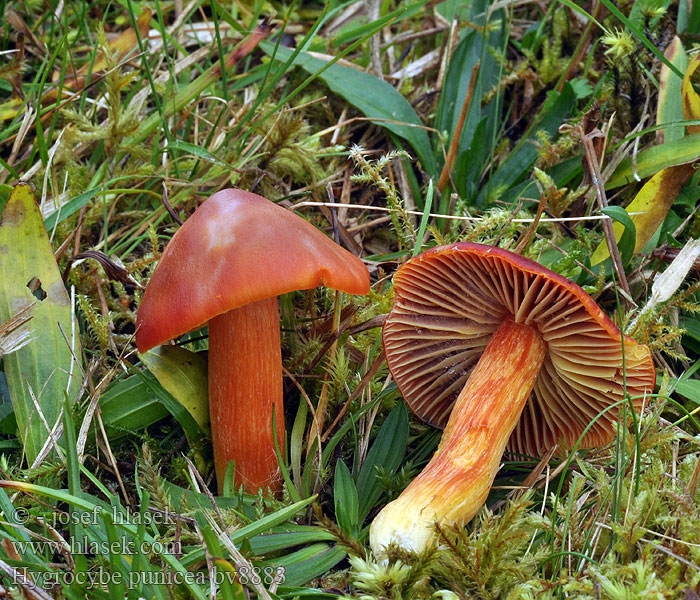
(456, 481)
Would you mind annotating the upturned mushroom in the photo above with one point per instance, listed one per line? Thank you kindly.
(501, 352)
(226, 266)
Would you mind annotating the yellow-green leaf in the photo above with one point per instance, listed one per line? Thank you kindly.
(231, 578)
(669, 106)
(45, 367)
(650, 161)
(184, 375)
(652, 203)
(691, 100)
(10, 109)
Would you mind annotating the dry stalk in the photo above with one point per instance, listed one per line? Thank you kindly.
(593, 164)
(527, 236)
(366, 378)
(454, 143)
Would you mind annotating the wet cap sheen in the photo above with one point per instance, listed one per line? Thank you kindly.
(238, 248)
(451, 299)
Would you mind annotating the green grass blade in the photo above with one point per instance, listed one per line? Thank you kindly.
(91, 505)
(629, 235)
(650, 161)
(288, 537)
(183, 374)
(255, 528)
(129, 404)
(424, 219)
(303, 565)
(345, 499)
(173, 406)
(386, 452)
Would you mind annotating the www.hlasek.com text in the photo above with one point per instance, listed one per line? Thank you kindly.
(87, 546)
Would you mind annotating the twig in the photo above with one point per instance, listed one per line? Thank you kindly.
(332, 339)
(169, 207)
(360, 386)
(454, 143)
(580, 48)
(373, 14)
(322, 406)
(534, 475)
(527, 236)
(31, 590)
(594, 169)
(54, 432)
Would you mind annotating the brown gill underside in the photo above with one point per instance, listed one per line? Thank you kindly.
(447, 307)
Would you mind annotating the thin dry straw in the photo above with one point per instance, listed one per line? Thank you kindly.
(455, 217)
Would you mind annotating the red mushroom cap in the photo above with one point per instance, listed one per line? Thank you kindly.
(451, 299)
(238, 248)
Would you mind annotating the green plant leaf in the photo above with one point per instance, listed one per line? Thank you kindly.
(93, 506)
(288, 536)
(214, 549)
(375, 98)
(128, 404)
(255, 528)
(69, 208)
(307, 563)
(424, 219)
(640, 35)
(45, 367)
(182, 416)
(652, 160)
(626, 243)
(519, 162)
(345, 499)
(387, 451)
(691, 326)
(184, 375)
(269, 521)
(478, 131)
(670, 102)
(180, 497)
(466, 54)
(690, 389)
(470, 163)
(691, 100)
(652, 204)
(199, 152)
(692, 14)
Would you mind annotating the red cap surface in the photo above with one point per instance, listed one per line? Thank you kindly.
(238, 248)
(451, 299)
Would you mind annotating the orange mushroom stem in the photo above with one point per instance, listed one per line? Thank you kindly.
(245, 390)
(226, 266)
(456, 481)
